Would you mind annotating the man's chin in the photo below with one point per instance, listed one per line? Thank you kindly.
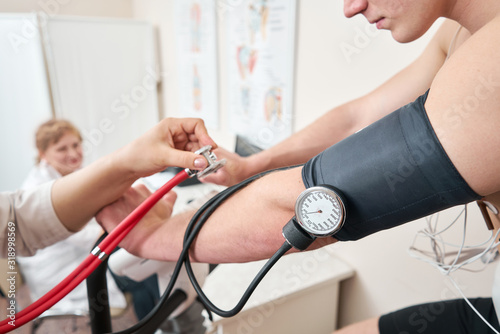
(405, 37)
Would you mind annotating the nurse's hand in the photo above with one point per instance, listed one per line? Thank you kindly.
(170, 143)
(110, 216)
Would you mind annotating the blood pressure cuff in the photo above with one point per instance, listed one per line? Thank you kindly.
(390, 172)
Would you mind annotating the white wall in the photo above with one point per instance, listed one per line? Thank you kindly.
(24, 97)
(108, 8)
(387, 278)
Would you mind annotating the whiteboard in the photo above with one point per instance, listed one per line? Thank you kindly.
(103, 76)
(24, 96)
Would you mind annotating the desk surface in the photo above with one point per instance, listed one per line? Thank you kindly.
(290, 275)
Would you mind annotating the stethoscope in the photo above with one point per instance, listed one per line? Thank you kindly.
(320, 211)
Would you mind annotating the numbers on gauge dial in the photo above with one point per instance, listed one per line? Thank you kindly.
(320, 212)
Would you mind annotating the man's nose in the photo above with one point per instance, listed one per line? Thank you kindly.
(353, 7)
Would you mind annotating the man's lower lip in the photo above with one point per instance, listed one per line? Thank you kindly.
(379, 23)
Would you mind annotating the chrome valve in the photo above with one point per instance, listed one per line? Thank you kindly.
(213, 164)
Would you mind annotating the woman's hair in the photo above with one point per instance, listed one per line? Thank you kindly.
(50, 132)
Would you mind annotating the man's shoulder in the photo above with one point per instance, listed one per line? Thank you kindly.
(471, 77)
(490, 29)
(483, 46)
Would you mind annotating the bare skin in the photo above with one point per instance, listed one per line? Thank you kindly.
(162, 240)
(369, 326)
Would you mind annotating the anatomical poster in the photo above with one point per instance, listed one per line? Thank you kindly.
(260, 47)
(196, 40)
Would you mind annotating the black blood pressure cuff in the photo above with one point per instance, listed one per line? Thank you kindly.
(390, 172)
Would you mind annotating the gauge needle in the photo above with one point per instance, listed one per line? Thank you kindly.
(319, 211)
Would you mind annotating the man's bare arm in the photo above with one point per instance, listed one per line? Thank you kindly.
(246, 227)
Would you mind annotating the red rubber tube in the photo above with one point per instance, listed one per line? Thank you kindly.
(91, 261)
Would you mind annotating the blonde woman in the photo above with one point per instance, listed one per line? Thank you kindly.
(59, 146)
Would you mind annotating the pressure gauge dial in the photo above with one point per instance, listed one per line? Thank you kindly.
(320, 211)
